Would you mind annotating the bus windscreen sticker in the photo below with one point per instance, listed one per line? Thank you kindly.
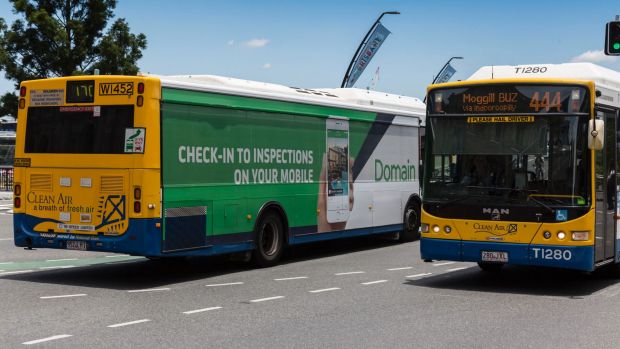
(46, 97)
(134, 140)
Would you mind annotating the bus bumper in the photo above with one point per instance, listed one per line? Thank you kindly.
(142, 238)
(568, 257)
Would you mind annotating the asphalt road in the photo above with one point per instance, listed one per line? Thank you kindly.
(362, 293)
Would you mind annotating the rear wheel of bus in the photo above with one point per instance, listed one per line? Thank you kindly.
(411, 222)
(269, 235)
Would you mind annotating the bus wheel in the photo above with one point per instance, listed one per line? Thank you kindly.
(269, 240)
(411, 223)
(490, 267)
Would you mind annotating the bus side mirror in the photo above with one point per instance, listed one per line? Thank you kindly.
(596, 134)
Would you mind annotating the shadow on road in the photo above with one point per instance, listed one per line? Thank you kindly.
(144, 273)
(536, 281)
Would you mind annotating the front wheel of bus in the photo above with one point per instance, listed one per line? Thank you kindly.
(411, 223)
(269, 240)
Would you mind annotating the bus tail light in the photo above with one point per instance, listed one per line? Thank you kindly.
(22, 91)
(22, 103)
(137, 195)
(17, 190)
(581, 235)
(140, 101)
(17, 202)
(137, 207)
(140, 88)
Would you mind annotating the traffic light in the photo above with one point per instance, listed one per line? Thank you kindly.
(612, 39)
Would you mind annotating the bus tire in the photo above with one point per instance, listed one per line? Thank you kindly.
(490, 267)
(411, 222)
(269, 240)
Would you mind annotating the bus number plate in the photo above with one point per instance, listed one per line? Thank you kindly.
(77, 245)
(494, 256)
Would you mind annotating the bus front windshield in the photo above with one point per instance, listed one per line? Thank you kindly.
(517, 160)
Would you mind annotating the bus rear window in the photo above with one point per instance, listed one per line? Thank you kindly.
(78, 129)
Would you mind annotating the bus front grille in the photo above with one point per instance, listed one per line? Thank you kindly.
(111, 184)
(41, 182)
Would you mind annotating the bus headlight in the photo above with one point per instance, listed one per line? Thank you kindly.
(424, 228)
(447, 229)
(581, 235)
(547, 234)
(561, 235)
(436, 228)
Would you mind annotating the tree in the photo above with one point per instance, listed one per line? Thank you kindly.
(64, 38)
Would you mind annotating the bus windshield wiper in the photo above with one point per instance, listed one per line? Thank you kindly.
(540, 203)
(459, 199)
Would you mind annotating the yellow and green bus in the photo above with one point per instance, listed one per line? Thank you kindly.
(521, 168)
(201, 165)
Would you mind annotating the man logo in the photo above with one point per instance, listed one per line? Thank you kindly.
(496, 213)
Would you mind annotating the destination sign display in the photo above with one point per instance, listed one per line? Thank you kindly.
(509, 99)
(80, 91)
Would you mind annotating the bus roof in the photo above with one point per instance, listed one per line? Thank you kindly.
(605, 80)
(348, 98)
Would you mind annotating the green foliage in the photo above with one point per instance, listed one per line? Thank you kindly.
(66, 37)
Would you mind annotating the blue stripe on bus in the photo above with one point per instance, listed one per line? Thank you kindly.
(569, 257)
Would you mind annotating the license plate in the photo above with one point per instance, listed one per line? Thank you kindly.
(77, 245)
(494, 256)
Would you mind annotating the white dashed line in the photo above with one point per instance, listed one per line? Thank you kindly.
(325, 290)
(4, 263)
(266, 299)
(58, 267)
(37, 341)
(440, 264)
(350, 273)
(228, 284)
(6, 239)
(117, 255)
(402, 268)
(291, 278)
(16, 272)
(418, 275)
(150, 290)
(62, 260)
(129, 323)
(455, 269)
(64, 296)
(201, 310)
(1, 271)
(374, 282)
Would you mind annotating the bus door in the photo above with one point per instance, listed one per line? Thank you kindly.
(605, 173)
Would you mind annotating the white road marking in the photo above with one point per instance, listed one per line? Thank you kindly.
(402, 268)
(64, 296)
(6, 239)
(266, 299)
(291, 278)
(201, 310)
(325, 290)
(3, 263)
(227, 284)
(62, 260)
(351, 273)
(1, 271)
(16, 272)
(117, 255)
(58, 267)
(373, 282)
(129, 323)
(37, 341)
(150, 290)
(440, 264)
(455, 269)
(418, 275)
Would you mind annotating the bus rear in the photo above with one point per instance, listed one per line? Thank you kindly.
(87, 173)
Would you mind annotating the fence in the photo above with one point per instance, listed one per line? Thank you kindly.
(6, 178)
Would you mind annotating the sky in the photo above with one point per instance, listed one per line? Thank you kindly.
(310, 43)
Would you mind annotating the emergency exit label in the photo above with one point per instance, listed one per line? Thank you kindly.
(134, 140)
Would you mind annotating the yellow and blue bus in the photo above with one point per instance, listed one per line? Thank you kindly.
(521, 168)
(201, 165)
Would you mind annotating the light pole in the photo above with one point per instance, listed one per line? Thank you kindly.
(348, 72)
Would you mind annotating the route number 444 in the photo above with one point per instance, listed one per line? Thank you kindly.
(552, 254)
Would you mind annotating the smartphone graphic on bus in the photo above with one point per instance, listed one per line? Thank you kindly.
(337, 139)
